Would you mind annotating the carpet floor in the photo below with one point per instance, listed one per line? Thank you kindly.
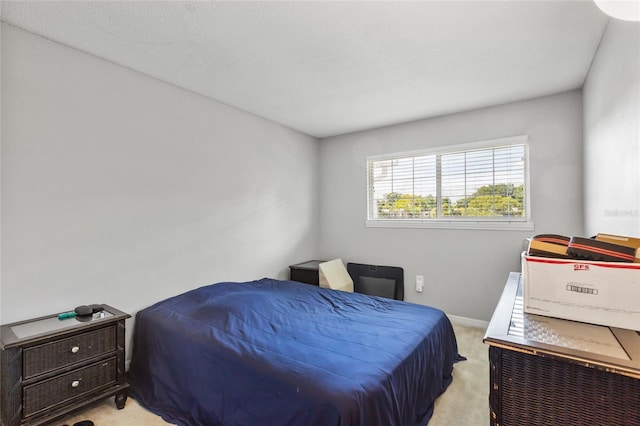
(465, 402)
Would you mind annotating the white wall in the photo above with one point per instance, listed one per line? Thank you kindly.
(465, 271)
(612, 133)
(120, 189)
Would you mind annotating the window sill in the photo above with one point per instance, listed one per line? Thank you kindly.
(452, 224)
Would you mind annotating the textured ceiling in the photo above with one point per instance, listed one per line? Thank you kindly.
(328, 68)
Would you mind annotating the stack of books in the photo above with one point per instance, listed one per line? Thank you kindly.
(602, 247)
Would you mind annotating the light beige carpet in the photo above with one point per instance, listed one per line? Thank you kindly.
(465, 402)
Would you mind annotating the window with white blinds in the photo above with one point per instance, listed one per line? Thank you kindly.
(479, 185)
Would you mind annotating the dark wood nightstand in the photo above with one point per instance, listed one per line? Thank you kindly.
(51, 367)
(306, 272)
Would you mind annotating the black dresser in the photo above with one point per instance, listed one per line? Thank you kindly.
(549, 371)
(50, 366)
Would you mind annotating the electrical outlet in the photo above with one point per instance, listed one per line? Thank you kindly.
(419, 283)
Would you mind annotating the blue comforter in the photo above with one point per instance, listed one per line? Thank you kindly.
(274, 352)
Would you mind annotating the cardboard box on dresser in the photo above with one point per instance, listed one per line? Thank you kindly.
(578, 284)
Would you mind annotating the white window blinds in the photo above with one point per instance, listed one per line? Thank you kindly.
(481, 182)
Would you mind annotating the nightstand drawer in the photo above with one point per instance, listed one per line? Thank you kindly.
(60, 353)
(48, 393)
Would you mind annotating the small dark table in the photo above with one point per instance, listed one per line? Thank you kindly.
(306, 272)
(51, 367)
(549, 371)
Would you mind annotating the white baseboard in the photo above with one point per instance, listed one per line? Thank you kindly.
(469, 322)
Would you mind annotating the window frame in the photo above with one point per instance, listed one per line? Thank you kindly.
(523, 223)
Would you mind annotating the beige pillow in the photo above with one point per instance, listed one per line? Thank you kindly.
(334, 275)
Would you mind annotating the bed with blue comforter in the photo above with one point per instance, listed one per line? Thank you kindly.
(272, 352)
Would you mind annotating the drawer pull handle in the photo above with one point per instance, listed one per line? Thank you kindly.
(75, 349)
(75, 383)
